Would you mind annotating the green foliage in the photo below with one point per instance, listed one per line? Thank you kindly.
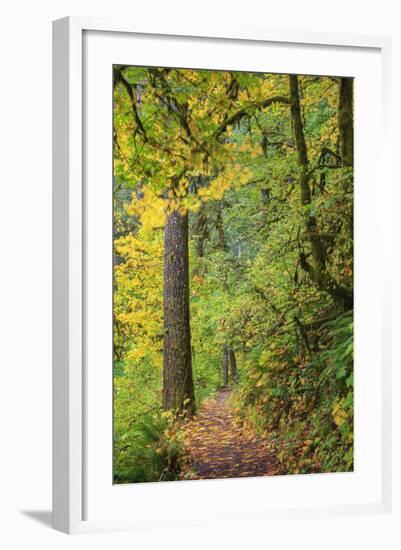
(305, 403)
(251, 256)
(147, 443)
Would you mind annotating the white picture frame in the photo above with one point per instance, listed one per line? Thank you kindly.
(70, 424)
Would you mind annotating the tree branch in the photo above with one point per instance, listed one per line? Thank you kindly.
(236, 117)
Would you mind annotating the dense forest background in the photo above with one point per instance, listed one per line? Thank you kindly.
(233, 265)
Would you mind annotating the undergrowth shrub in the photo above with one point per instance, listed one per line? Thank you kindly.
(151, 451)
(303, 401)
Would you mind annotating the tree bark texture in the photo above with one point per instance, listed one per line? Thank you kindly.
(200, 228)
(346, 121)
(178, 387)
(225, 365)
(318, 269)
(228, 354)
(233, 365)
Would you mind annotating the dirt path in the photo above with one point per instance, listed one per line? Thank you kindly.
(219, 448)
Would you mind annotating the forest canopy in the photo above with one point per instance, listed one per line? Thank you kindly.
(233, 272)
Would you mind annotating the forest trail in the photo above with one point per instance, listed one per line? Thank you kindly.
(219, 447)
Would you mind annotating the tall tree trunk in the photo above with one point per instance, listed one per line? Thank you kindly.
(317, 249)
(225, 365)
(346, 121)
(233, 365)
(221, 238)
(226, 350)
(178, 387)
(200, 229)
(317, 270)
(201, 233)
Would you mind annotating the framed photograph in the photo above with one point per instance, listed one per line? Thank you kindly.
(221, 310)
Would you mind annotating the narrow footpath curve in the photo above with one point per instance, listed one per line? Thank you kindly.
(219, 448)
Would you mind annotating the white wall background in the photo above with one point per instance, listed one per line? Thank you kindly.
(25, 218)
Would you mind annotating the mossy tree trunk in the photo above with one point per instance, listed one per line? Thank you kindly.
(228, 353)
(346, 120)
(233, 365)
(317, 269)
(225, 365)
(178, 387)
